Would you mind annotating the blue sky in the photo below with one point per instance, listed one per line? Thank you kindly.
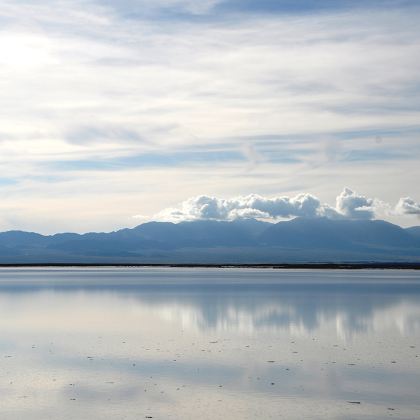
(114, 109)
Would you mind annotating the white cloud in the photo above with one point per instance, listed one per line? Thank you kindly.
(147, 7)
(407, 205)
(349, 205)
(66, 69)
(192, 6)
(82, 81)
(354, 206)
(256, 206)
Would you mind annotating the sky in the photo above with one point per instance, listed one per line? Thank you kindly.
(118, 112)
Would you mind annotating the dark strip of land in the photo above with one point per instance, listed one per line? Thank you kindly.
(311, 266)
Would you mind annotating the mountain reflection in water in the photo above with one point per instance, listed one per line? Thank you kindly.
(241, 341)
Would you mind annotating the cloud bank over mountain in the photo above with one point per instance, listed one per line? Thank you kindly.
(354, 206)
(250, 206)
(407, 205)
(349, 205)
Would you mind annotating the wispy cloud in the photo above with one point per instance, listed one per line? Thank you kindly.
(148, 88)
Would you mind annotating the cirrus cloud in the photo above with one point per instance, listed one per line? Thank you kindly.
(105, 101)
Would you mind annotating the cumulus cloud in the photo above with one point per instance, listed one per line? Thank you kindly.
(245, 207)
(354, 206)
(349, 205)
(407, 205)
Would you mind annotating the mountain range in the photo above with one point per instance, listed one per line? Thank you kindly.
(221, 242)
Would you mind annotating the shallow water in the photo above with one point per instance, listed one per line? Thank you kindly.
(170, 343)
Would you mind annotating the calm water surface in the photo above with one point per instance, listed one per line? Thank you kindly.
(209, 344)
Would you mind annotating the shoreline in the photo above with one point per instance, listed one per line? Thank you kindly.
(309, 266)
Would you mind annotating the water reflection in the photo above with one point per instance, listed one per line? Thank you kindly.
(208, 343)
(337, 304)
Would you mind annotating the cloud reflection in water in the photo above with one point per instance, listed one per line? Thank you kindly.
(189, 341)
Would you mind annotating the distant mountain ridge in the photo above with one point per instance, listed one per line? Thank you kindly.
(241, 241)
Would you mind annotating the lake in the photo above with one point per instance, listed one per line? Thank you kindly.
(172, 343)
